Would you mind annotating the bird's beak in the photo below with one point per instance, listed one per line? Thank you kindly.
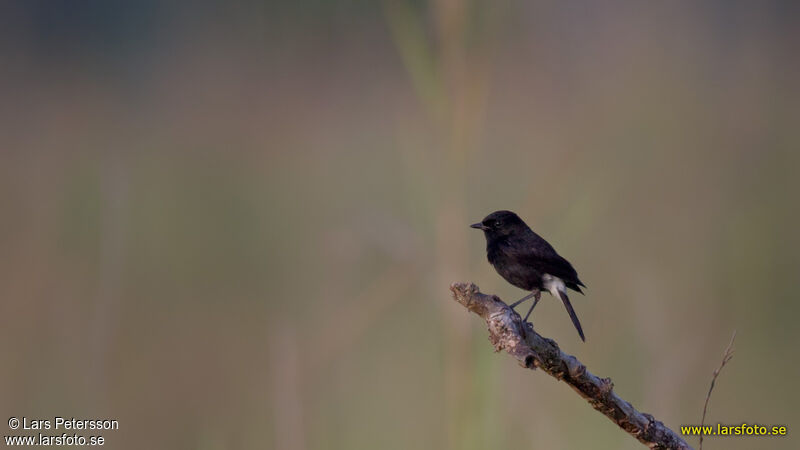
(478, 226)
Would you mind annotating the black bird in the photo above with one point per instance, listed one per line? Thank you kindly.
(527, 261)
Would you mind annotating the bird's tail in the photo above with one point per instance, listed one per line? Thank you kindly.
(572, 314)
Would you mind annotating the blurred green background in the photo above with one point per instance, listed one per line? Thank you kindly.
(234, 226)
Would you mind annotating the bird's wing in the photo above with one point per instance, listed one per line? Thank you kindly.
(539, 254)
(561, 268)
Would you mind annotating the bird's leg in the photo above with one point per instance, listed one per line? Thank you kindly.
(532, 294)
(538, 296)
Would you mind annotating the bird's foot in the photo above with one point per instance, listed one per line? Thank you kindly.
(525, 328)
(538, 296)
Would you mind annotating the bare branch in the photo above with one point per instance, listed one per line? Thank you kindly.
(531, 350)
(725, 358)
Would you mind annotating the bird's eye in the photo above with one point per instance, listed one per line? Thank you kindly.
(498, 224)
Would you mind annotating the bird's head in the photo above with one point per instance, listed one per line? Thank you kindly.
(500, 223)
